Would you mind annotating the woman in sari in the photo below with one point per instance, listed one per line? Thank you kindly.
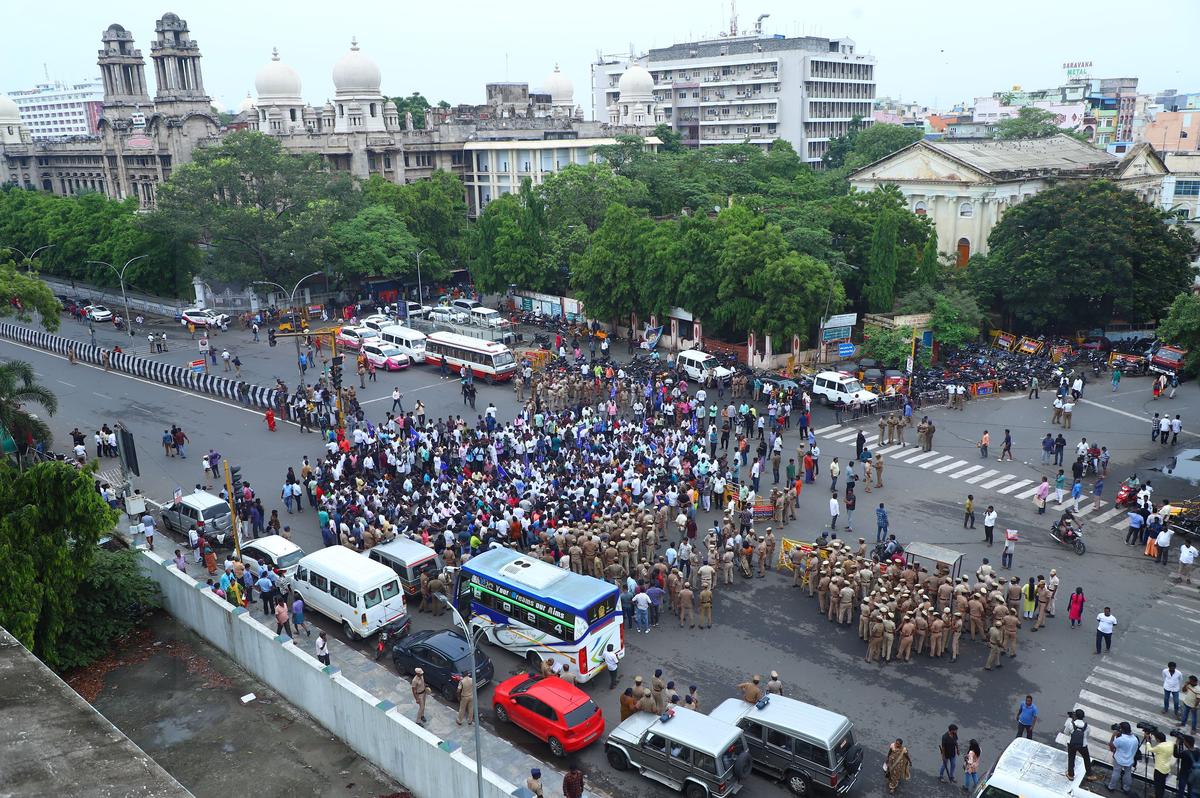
(898, 766)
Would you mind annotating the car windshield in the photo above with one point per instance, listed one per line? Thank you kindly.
(581, 714)
(290, 559)
(216, 511)
(712, 363)
(1169, 355)
(731, 753)
(390, 351)
(853, 386)
(523, 687)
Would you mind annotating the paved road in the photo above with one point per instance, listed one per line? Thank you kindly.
(764, 624)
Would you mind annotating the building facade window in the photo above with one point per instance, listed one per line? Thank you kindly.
(919, 209)
(966, 210)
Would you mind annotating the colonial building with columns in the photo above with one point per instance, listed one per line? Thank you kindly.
(965, 186)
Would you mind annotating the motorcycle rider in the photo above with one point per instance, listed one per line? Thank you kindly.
(1066, 526)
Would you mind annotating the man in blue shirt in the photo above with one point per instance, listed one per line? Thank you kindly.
(881, 522)
(1123, 746)
(266, 589)
(1027, 714)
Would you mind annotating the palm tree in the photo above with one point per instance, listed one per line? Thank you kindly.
(18, 388)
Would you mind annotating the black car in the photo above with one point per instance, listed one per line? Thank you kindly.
(444, 656)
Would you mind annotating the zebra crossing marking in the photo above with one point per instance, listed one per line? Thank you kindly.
(1000, 480)
(991, 472)
(1025, 494)
(950, 466)
(823, 430)
(937, 460)
(889, 449)
(920, 457)
(1015, 486)
(1113, 513)
(965, 471)
(907, 454)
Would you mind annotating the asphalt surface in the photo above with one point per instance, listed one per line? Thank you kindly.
(764, 624)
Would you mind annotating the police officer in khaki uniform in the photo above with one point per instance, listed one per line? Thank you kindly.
(646, 703)
(658, 687)
(686, 602)
(420, 692)
(774, 686)
(466, 700)
(937, 631)
(875, 642)
(534, 782)
(751, 692)
(706, 604)
(907, 630)
(1010, 633)
(995, 646)
(889, 637)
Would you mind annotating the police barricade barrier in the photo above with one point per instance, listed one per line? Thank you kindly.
(137, 366)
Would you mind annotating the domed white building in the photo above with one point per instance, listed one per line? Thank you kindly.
(11, 129)
(357, 96)
(246, 106)
(280, 107)
(561, 91)
(635, 104)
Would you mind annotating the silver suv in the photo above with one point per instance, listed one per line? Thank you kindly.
(700, 756)
(810, 749)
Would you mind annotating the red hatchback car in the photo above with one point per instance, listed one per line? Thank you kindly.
(550, 709)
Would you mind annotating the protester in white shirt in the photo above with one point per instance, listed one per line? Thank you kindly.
(1187, 557)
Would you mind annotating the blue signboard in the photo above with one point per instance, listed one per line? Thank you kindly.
(846, 350)
(831, 334)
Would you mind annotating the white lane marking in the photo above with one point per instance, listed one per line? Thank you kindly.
(1000, 480)
(101, 395)
(1085, 510)
(388, 396)
(843, 437)
(1113, 513)
(906, 453)
(889, 449)
(991, 472)
(965, 471)
(936, 460)
(951, 466)
(920, 457)
(1126, 413)
(1025, 494)
(1016, 486)
(68, 384)
(823, 430)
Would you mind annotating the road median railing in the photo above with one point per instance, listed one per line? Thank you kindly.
(136, 366)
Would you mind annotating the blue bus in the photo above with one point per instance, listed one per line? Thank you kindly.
(541, 611)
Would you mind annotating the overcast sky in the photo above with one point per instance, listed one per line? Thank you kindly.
(934, 53)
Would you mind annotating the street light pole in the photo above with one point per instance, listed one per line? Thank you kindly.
(121, 276)
(29, 258)
(420, 293)
(292, 309)
(458, 619)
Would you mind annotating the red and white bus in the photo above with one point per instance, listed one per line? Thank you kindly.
(488, 360)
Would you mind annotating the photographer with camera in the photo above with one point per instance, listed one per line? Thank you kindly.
(1186, 753)
(1076, 729)
(1163, 752)
(1124, 747)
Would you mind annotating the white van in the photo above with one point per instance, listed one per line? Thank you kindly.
(699, 366)
(830, 386)
(1029, 769)
(343, 585)
(486, 317)
(410, 342)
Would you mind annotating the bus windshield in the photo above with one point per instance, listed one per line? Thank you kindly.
(502, 359)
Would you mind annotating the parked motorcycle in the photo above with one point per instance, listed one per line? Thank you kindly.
(396, 628)
(1071, 536)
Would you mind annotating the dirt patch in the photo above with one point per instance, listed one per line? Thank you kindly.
(134, 649)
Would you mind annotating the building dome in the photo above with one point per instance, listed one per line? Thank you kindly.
(559, 87)
(9, 111)
(355, 73)
(636, 84)
(247, 105)
(277, 80)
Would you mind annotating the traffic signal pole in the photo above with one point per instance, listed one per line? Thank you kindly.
(335, 365)
(237, 539)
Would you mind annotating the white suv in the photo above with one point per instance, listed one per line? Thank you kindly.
(830, 386)
(699, 366)
(204, 317)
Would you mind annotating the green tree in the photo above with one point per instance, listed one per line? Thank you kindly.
(793, 291)
(882, 265)
(1079, 255)
(879, 141)
(609, 277)
(417, 105)
(891, 346)
(24, 294)
(1181, 328)
(580, 195)
(1029, 123)
(19, 387)
(511, 246)
(375, 241)
(956, 317)
(929, 266)
(671, 140)
(748, 243)
(840, 147)
(624, 153)
(111, 600)
(434, 211)
(51, 518)
(260, 210)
